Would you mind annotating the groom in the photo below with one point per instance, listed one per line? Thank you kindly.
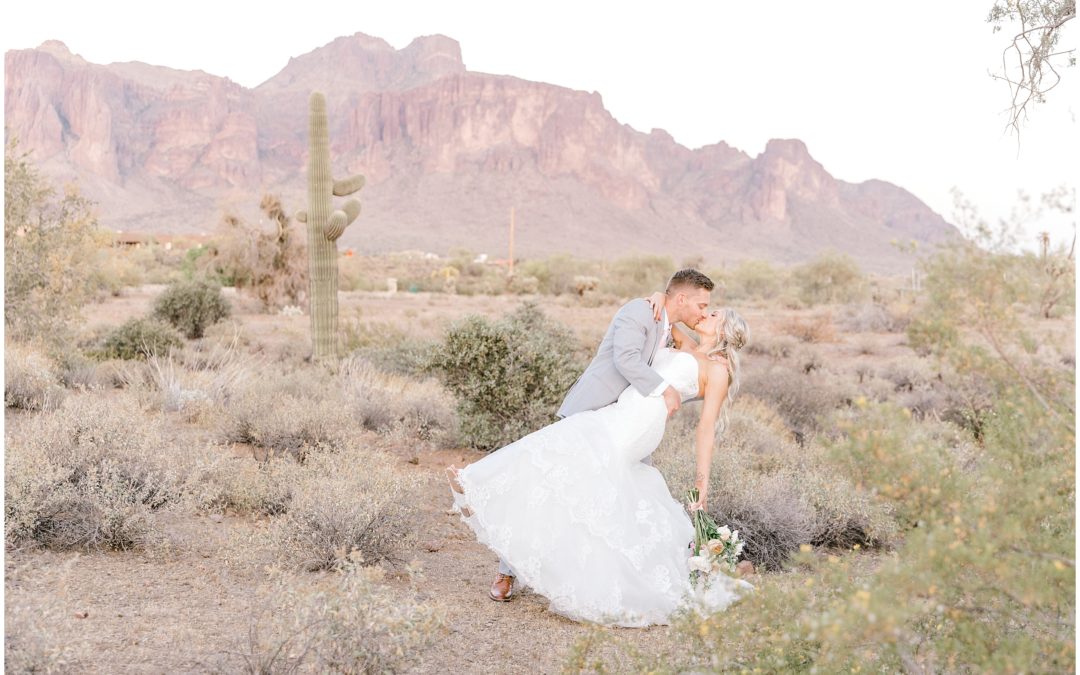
(625, 359)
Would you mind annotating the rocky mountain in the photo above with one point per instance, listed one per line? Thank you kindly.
(447, 152)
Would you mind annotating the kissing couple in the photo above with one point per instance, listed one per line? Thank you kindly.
(575, 510)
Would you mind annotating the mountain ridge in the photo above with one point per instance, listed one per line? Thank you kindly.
(447, 153)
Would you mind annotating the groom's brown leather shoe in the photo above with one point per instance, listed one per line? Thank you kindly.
(503, 588)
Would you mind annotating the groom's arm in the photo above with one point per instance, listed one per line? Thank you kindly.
(628, 344)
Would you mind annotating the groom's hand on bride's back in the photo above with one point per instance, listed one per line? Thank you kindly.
(671, 400)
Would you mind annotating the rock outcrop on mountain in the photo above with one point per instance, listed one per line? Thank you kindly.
(447, 153)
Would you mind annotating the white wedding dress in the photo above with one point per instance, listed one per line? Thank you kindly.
(583, 522)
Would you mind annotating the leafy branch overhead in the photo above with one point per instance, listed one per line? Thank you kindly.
(1031, 62)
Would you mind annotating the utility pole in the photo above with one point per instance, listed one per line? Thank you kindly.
(511, 241)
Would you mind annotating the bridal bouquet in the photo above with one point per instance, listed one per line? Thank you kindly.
(714, 549)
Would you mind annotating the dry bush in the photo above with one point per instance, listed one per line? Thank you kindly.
(198, 380)
(869, 317)
(340, 623)
(772, 345)
(270, 264)
(351, 501)
(777, 494)
(802, 398)
(384, 402)
(30, 380)
(865, 346)
(88, 476)
(813, 330)
(221, 481)
(286, 415)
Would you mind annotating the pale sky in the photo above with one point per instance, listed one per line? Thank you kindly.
(893, 90)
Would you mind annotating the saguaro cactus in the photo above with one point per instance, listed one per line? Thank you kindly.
(324, 226)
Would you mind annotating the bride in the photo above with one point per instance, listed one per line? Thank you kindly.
(583, 521)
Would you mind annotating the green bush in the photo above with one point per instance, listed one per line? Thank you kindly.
(191, 306)
(140, 338)
(636, 275)
(832, 277)
(753, 280)
(509, 376)
(51, 245)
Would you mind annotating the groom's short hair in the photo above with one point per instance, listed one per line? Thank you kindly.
(689, 278)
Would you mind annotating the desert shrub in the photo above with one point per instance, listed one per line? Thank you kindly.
(191, 306)
(831, 277)
(778, 495)
(87, 476)
(754, 280)
(198, 379)
(869, 318)
(340, 623)
(30, 380)
(268, 264)
(772, 345)
(140, 338)
(384, 402)
(352, 501)
(509, 376)
(635, 276)
(555, 275)
(898, 460)
(813, 329)
(929, 335)
(802, 398)
(282, 422)
(220, 481)
(50, 250)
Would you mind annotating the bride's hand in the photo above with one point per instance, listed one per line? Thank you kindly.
(656, 301)
(699, 505)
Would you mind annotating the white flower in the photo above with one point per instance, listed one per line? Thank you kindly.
(738, 548)
(734, 536)
(698, 563)
(725, 533)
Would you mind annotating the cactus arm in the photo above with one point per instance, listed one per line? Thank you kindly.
(301, 216)
(335, 225)
(352, 211)
(347, 186)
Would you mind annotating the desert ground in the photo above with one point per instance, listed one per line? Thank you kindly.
(198, 597)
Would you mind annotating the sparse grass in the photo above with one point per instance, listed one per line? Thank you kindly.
(341, 623)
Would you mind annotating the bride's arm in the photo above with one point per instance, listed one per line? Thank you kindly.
(716, 387)
(683, 342)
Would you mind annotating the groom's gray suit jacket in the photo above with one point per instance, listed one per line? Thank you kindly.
(624, 358)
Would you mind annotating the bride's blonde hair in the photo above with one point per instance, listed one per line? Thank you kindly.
(732, 335)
